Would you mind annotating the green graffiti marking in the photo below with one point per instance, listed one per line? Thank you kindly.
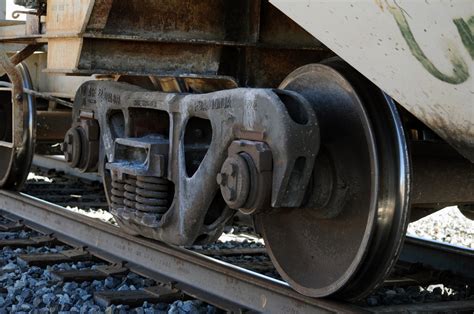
(466, 30)
(460, 68)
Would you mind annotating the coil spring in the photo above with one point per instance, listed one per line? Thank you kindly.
(118, 197)
(146, 194)
(130, 193)
(152, 194)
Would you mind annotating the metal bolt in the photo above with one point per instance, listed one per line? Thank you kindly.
(231, 194)
(221, 179)
(233, 170)
(234, 181)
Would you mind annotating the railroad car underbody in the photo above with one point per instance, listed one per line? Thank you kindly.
(331, 124)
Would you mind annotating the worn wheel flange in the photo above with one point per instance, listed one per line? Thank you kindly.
(352, 250)
(17, 134)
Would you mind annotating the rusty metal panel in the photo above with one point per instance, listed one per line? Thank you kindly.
(277, 29)
(169, 37)
(268, 67)
(110, 56)
(186, 19)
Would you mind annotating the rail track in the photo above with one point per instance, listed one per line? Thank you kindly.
(210, 274)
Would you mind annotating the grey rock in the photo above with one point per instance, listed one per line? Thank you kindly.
(173, 309)
(25, 307)
(48, 298)
(111, 309)
(85, 284)
(37, 301)
(110, 282)
(123, 287)
(69, 286)
(9, 267)
(189, 307)
(64, 299)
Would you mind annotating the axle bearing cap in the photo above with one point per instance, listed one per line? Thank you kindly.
(72, 147)
(234, 181)
(81, 145)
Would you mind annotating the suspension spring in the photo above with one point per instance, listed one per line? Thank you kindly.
(152, 194)
(130, 193)
(118, 197)
(148, 195)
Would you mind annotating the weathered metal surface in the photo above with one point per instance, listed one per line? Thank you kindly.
(219, 119)
(81, 145)
(52, 125)
(59, 164)
(21, 55)
(245, 178)
(55, 85)
(438, 255)
(419, 52)
(441, 177)
(112, 56)
(346, 245)
(196, 274)
(176, 38)
(249, 40)
(17, 141)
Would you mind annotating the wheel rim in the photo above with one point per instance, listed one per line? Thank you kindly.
(344, 255)
(15, 161)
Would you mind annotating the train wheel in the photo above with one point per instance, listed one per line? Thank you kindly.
(349, 245)
(17, 135)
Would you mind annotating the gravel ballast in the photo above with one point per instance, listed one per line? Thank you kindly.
(31, 289)
(448, 225)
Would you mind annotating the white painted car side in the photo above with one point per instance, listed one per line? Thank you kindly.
(421, 53)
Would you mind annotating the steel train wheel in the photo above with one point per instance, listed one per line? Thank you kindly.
(348, 252)
(15, 160)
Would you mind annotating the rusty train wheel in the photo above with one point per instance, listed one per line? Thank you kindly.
(351, 248)
(16, 155)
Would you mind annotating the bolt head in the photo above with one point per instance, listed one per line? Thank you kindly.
(233, 170)
(234, 181)
(221, 179)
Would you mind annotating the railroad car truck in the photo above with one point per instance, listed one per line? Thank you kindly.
(330, 124)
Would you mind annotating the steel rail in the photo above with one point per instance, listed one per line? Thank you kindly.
(439, 255)
(196, 274)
